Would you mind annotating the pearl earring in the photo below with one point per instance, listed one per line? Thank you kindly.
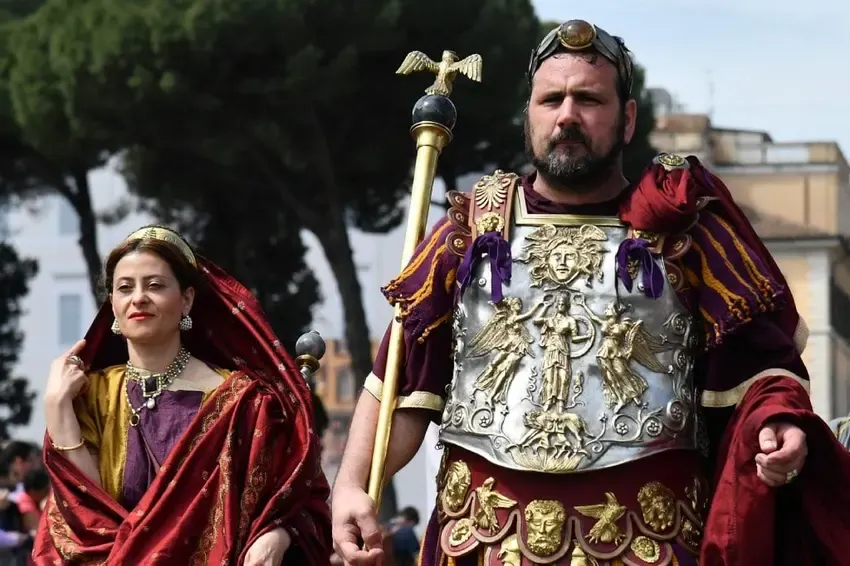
(186, 322)
(115, 328)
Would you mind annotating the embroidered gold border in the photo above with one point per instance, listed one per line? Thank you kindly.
(416, 400)
(524, 218)
(732, 397)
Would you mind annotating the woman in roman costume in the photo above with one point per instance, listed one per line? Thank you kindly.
(180, 431)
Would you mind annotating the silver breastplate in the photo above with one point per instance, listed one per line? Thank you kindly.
(569, 372)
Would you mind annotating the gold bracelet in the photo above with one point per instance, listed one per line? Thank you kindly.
(68, 448)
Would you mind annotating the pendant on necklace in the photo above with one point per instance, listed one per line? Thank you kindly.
(151, 403)
(150, 386)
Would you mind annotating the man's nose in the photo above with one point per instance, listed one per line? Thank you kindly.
(568, 113)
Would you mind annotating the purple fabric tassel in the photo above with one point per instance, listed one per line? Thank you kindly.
(653, 278)
(499, 251)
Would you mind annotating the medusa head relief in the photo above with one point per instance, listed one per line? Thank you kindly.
(557, 256)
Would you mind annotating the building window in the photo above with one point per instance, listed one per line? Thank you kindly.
(69, 222)
(344, 384)
(70, 319)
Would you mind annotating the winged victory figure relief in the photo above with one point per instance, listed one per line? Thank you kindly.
(623, 341)
(506, 334)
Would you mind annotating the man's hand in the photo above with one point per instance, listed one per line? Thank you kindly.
(783, 453)
(354, 518)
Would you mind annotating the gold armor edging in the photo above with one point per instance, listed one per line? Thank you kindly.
(545, 531)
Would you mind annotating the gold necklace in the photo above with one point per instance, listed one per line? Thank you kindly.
(153, 384)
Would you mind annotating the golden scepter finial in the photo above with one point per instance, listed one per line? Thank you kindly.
(434, 117)
(446, 70)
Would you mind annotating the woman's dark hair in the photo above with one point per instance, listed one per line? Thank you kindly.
(36, 479)
(187, 274)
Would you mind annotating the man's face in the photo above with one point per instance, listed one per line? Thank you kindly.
(576, 127)
(22, 466)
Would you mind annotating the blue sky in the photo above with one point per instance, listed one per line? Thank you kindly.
(782, 66)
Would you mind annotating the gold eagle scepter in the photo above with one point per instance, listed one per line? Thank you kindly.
(446, 70)
(434, 117)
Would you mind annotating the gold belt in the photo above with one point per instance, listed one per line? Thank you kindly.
(478, 515)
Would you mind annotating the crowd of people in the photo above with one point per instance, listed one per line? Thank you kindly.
(24, 489)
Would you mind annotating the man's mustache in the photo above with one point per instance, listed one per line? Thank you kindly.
(572, 134)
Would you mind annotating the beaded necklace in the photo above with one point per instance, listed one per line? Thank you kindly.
(153, 384)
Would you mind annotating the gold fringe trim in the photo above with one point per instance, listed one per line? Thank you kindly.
(434, 325)
(731, 397)
(722, 252)
(419, 258)
(736, 304)
(425, 291)
(763, 282)
(451, 278)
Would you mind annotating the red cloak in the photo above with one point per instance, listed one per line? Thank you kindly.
(801, 524)
(248, 463)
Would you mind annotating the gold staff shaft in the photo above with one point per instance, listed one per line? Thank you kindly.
(434, 116)
(431, 138)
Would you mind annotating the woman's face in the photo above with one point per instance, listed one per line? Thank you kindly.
(146, 298)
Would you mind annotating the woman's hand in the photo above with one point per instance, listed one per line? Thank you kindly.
(67, 376)
(268, 550)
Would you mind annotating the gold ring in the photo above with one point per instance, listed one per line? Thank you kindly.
(789, 477)
(76, 360)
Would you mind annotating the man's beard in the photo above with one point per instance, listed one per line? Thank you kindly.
(568, 169)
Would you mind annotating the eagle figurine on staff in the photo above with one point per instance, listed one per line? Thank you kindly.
(446, 69)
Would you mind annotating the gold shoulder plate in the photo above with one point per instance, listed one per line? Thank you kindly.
(492, 200)
(671, 161)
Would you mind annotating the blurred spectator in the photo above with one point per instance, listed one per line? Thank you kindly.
(16, 460)
(405, 543)
(30, 502)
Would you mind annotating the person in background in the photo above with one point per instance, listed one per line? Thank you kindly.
(17, 459)
(405, 543)
(31, 501)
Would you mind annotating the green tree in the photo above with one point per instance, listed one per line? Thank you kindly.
(16, 398)
(41, 149)
(292, 98)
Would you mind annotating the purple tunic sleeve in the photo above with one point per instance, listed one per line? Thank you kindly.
(426, 291)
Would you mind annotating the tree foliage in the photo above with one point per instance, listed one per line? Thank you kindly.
(41, 149)
(16, 398)
(293, 102)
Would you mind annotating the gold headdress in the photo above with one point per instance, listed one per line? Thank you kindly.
(164, 235)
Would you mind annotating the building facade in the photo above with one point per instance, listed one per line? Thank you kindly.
(797, 196)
